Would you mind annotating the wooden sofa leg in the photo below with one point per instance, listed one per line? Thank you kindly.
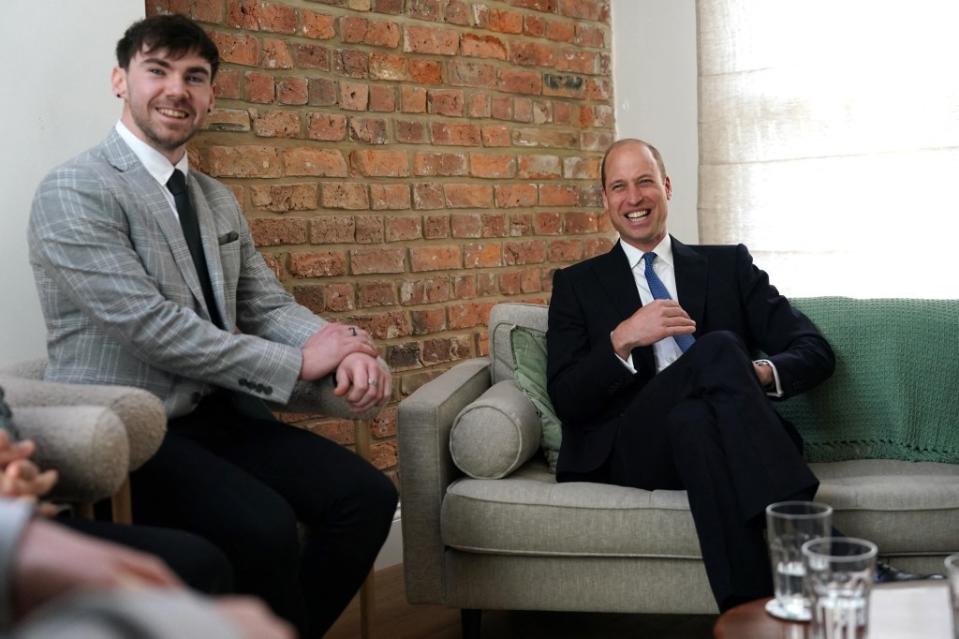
(361, 435)
(366, 608)
(122, 505)
(471, 620)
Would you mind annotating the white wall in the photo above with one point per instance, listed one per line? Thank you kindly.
(57, 102)
(655, 85)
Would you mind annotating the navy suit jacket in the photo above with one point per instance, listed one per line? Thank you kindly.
(720, 288)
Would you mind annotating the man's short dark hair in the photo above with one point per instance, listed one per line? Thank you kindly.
(656, 156)
(176, 34)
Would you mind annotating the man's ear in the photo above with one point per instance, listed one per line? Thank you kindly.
(118, 81)
(669, 187)
(605, 201)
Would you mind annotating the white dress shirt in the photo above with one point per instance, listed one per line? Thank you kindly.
(155, 162)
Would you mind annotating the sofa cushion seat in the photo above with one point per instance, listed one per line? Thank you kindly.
(905, 507)
(529, 513)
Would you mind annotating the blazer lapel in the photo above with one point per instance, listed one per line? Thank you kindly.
(691, 270)
(614, 275)
(155, 206)
(616, 279)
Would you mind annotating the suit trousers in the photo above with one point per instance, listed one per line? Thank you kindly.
(243, 480)
(705, 425)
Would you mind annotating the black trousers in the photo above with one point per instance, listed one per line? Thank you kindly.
(704, 425)
(242, 480)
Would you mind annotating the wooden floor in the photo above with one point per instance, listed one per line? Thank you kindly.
(395, 619)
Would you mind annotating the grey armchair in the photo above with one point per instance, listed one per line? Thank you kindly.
(93, 435)
(96, 435)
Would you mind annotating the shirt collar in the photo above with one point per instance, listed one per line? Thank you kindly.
(663, 251)
(153, 161)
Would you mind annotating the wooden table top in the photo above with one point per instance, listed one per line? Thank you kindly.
(906, 610)
(751, 621)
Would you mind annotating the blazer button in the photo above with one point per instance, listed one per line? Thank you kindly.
(268, 390)
(244, 382)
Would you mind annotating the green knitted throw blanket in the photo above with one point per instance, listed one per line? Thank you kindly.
(895, 392)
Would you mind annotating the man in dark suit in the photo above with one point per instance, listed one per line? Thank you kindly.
(653, 371)
(148, 276)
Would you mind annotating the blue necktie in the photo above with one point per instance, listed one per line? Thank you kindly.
(658, 289)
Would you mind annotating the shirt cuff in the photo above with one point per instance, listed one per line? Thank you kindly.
(628, 362)
(777, 389)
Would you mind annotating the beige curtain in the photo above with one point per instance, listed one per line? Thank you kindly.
(829, 142)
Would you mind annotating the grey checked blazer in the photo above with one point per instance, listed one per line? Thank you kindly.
(121, 298)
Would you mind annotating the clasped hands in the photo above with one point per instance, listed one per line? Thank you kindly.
(20, 478)
(351, 353)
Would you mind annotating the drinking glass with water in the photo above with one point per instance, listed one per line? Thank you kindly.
(840, 572)
(952, 573)
(789, 524)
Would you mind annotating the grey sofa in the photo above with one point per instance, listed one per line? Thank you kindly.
(525, 542)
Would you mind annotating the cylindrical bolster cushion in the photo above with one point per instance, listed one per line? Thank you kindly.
(140, 411)
(87, 445)
(496, 434)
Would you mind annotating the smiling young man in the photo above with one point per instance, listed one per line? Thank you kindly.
(166, 98)
(651, 370)
(148, 277)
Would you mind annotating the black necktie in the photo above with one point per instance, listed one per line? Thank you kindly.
(191, 232)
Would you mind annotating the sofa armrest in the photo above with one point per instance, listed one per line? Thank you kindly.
(87, 445)
(424, 423)
(140, 412)
(26, 369)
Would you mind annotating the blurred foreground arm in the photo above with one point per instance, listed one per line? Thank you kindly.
(63, 584)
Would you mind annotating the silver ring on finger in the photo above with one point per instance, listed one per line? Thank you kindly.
(372, 382)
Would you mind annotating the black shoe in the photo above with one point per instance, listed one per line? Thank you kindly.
(888, 574)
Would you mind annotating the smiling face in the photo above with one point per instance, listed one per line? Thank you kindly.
(636, 195)
(165, 98)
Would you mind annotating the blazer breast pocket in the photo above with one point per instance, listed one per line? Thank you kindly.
(230, 255)
(227, 238)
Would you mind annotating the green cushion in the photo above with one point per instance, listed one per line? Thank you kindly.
(529, 353)
(894, 393)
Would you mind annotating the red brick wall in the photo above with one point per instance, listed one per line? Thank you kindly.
(405, 165)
